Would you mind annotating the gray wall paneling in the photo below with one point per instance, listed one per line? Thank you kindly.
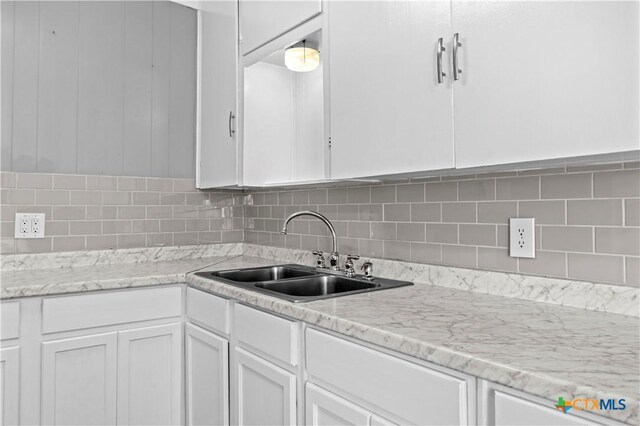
(99, 88)
(182, 93)
(57, 86)
(25, 86)
(138, 61)
(161, 89)
(6, 76)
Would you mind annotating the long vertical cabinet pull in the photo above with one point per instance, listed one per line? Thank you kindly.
(231, 129)
(441, 74)
(456, 71)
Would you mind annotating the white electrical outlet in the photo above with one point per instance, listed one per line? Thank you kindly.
(29, 225)
(522, 237)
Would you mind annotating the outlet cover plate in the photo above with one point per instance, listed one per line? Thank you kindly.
(522, 237)
(29, 225)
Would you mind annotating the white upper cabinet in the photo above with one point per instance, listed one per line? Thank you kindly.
(261, 21)
(388, 112)
(543, 80)
(217, 150)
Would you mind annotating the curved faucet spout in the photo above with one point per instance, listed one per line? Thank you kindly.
(317, 216)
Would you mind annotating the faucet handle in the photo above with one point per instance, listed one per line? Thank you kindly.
(320, 261)
(348, 266)
(367, 267)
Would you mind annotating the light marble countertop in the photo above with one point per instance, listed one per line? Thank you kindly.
(42, 282)
(544, 349)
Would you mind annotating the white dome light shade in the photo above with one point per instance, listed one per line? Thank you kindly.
(302, 57)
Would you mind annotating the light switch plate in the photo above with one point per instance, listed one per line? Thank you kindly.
(522, 237)
(29, 225)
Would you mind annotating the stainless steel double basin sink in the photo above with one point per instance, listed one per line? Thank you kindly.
(299, 283)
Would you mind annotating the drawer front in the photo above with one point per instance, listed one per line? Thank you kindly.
(412, 392)
(95, 310)
(270, 334)
(208, 310)
(10, 320)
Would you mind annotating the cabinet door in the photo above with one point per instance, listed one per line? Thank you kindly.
(9, 385)
(217, 147)
(512, 411)
(544, 80)
(150, 375)
(262, 21)
(79, 380)
(207, 377)
(388, 112)
(266, 394)
(324, 408)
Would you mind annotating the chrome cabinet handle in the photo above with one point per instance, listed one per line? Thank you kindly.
(441, 74)
(231, 129)
(456, 71)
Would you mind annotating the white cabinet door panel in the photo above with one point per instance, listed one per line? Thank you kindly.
(514, 411)
(545, 80)
(388, 112)
(150, 375)
(324, 408)
(217, 148)
(264, 20)
(10, 320)
(79, 380)
(266, 394)
(207, 377)
(9, 385)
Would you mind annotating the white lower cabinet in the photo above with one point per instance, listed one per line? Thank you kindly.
(207, 377)
(393, 387)
(9, 385)
(70, 365)
(129, 373)
(150, 375)
(79, 380)
(502, 406)
(266, 393)
(324, 408)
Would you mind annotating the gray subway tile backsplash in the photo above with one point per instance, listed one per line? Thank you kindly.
(587, 218)
(578, 210)
(108, 212)
(632, 212)
(616, 184)
(595, 212)
(518, 188)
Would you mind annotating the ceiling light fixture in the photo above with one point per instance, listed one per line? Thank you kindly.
(302, 56)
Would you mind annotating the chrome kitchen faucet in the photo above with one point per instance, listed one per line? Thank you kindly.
(334, 257)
